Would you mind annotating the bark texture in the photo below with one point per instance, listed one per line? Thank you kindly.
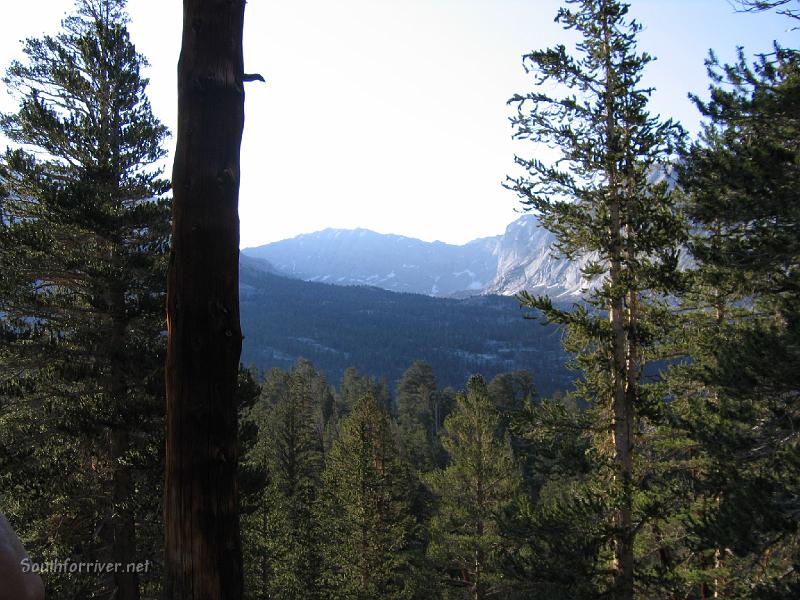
(203, 547)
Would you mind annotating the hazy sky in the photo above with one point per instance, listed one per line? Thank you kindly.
(391, 114)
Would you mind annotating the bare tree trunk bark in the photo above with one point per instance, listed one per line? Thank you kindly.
(203, 547)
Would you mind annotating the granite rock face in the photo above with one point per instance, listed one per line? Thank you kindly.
(528, 260)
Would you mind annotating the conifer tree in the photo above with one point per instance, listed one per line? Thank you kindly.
(555, 532)
(739, 392)
(511, 393)
(83, 238)
(607, 199)
(368, 527)
(281, 532)
(353, 388)
(478, 485)
(420, 415)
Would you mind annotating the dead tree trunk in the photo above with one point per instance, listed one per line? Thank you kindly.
(203, 547)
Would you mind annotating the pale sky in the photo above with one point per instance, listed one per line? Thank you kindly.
(390, 114)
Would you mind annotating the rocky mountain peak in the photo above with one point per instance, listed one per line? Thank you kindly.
(522, 258)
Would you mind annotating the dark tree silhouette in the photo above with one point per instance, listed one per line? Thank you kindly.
(203, 547)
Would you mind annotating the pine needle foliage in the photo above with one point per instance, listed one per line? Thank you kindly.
(478, 485)
(84, 233)
(609, 199)
(740, 392)
(369, 530)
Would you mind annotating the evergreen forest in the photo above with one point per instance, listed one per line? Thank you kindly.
(648, 449)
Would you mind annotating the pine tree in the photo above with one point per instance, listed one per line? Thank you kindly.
(353, 388)
(476, 487)
(511, 393)
(740, 389)
(83, 239)
(368, 527)
(556, 532)
(252, 476)
(282, 532)
(420, 415)
(609, 200)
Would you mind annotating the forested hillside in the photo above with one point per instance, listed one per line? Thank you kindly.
(381, 333)
(642, 443)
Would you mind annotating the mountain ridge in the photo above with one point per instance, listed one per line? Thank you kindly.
(520, 258)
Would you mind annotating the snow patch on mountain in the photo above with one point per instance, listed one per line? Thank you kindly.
(522, 258)
(358, 257)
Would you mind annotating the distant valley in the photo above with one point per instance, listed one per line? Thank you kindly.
(381, 333)
(343, 298)
(378, 302)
